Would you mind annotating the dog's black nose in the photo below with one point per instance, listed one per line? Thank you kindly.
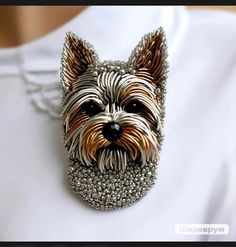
(112, 131)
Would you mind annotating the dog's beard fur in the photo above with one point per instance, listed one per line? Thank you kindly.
(141, 131)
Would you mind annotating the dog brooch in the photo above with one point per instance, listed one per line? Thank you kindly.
(113, 115)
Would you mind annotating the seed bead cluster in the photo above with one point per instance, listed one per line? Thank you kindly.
(111, 189)
(108, 66)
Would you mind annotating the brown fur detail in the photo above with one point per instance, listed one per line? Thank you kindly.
(133, 141)
(76, 121)
(151, 62)
(136, 90)
(93, 140)
(76, 58)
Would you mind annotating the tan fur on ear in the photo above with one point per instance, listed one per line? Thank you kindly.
(149, 58)
(77, 55)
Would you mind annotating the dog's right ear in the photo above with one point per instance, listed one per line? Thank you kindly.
(77, 54)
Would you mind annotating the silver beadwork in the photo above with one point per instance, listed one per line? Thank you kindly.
(109, 174)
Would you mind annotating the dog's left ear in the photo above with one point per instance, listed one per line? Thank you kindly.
(149, 58)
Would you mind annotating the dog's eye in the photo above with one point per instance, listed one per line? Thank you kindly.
(91, 108)
(133, 106)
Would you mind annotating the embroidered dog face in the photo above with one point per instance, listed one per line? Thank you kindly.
(112, 120)
(114, 110)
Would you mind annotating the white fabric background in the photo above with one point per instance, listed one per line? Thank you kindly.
(197, 171)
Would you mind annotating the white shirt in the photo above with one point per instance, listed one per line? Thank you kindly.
(196, 181)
